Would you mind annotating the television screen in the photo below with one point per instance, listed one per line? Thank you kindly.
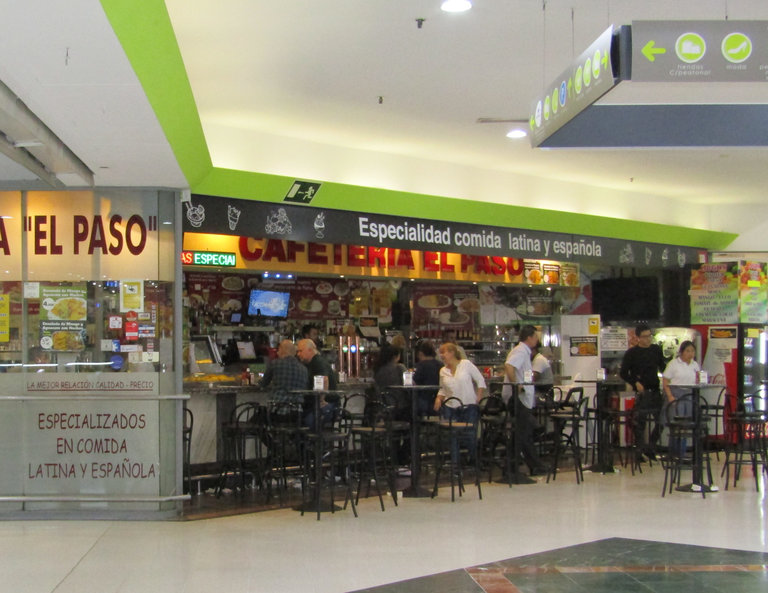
(268, 303)
(236, 317)
(626, 299)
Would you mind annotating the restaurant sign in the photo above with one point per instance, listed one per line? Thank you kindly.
(210, 215)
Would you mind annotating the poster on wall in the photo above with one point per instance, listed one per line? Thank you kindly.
(63, 313)
(753, 292)
(131, 295)
(715, 294)
(449, 307)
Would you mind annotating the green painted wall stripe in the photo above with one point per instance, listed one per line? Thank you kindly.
(272, 188)
(148, 39)
(145, 32)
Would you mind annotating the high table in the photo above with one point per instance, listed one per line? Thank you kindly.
(315, 504)
(697, 470)
(414, 491)
(603, 390)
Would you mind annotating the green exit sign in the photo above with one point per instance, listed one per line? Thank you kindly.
(209, 258)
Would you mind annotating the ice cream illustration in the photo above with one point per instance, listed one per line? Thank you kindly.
(233, 215)
(627, 256)
(319, 225)
(195, 214)
(681, 258)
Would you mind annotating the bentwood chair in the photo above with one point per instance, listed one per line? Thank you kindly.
(244, 448)
(373, 446)
(568, 421)
(747, 444)
(457, 431)
(326, 460)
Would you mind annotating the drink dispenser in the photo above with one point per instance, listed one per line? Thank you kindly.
(350, 350)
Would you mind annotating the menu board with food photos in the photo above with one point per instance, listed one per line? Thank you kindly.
(583, 345)
(319, 299)
(448, 306)
(226, 294)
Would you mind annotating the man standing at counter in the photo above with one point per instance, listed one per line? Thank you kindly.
(285, 374)
(317, 365)
(517, 365)
(640, 368)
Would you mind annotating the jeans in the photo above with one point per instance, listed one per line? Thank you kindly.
(468, 436)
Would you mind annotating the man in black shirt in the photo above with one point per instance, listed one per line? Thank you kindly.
(317, 365)
(640, 368)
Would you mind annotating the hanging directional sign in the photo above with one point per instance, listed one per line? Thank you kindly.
(700, 51)
(589, 77)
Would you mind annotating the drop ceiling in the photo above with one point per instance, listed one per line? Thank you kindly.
(323, 89)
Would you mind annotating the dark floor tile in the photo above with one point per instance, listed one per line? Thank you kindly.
(456, 581)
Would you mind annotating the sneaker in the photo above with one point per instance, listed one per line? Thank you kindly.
(695, 487)
(714, 488)
(404, 471)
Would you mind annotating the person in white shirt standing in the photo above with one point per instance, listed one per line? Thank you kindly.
(518, 370)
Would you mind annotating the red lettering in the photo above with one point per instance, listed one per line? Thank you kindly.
(466, 261)
(97, 237)
(316, 254)
(430, 261)
(187, 257)
(376, 256)
(275, 251)
(498, 265)
(135, 222)
(444, 265)
(405, 259)
(337, 255)
(482, 265)
(55, 249)
(355, 255)
(114, 230)
(293, 249)
(391, 253)
(40, 234)
(515, 266)
(248, 254)
(4, 239)
(80, 224)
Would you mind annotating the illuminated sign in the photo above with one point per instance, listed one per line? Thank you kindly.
(209, 258)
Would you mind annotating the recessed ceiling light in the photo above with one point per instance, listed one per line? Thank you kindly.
(456, 5)
(517, 133)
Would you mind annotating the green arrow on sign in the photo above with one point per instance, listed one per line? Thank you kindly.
(649, 50)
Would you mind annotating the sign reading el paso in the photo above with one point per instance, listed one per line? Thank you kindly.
(700, 51)
(65, 231)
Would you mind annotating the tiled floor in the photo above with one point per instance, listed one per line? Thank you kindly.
(422, 545)
(606, 566)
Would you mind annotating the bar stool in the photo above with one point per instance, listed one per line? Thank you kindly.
(246, 427)
(568, 421)
(286, 439)
(748, 447)
(457, 428)
(375, 450)
(493, 421)
(327, 450)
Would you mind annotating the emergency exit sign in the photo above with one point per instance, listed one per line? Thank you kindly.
(209, 258)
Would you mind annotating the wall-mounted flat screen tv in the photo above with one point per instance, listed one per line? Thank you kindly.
(268, 303)
(626, 299)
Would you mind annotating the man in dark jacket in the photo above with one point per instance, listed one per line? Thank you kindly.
(640, 368)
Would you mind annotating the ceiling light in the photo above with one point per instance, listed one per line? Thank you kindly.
(456, 5)
(517, 133)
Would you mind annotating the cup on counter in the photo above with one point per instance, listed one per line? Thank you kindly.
(408, 378)
(702, 377)
(600, 374)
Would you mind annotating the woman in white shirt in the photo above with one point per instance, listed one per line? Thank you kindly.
(681, 370)
(458, 378)
(461, 379)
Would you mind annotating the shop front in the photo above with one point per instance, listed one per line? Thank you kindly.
(89, 401)
(256, 273)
